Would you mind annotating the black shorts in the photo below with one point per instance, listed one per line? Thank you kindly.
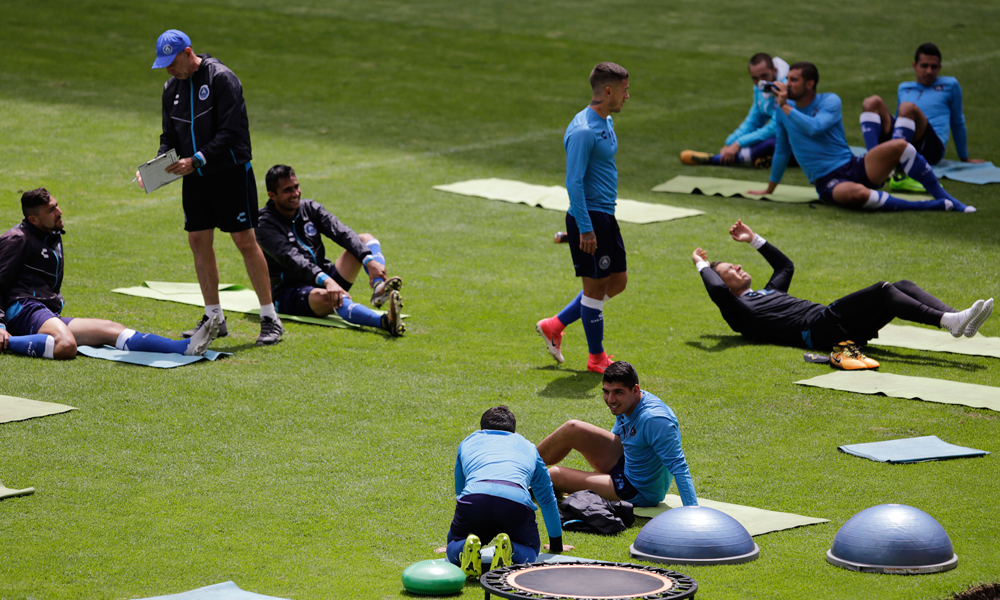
(295, 301)
(929, 146)
(852, 171)
(226, 200)
(610, 255)
(486, 516)
(623, 487)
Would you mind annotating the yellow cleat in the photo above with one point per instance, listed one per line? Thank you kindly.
(847, 356)
(471, 558)
(692, 157)
(503, 552)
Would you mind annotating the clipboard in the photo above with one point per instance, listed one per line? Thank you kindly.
(154, 173)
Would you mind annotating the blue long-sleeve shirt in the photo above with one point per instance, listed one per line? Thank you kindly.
(489, 455)
(652, 441)
(815, 133)
(759, 124)
(941, 103)
(591, 173)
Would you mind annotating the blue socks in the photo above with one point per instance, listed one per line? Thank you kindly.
(882, 201)
(572, 311)
(871, 128)
(904, 129)
(147, 342)
(916, 167)
(355, 313)
(38, 345)
(377, 256)
(592, 314)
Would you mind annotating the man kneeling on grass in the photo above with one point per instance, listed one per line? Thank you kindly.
(772, 316)
(493, 471)
(634, 461)
(31, 274)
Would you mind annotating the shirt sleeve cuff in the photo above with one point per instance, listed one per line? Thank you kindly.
(321, 278)
(701, 265)
(758, 242)
(201, 159)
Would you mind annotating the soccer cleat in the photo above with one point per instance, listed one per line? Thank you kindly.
(503, 552)
(693, 157)
(973, 326)
(203, 336)
(901, 182)
(845, 356)
(393, 320)
(223, 330)
(270, 331)
(597, 363)
(471, 558)
(553, 340)
(764, 162)
(381, 292)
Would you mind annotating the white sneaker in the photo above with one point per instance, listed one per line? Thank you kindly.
(973, 326)
(204, 336)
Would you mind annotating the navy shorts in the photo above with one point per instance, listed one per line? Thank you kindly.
(852, 171)
(295, 301)
(610, 255)
(929, 146)
(227, 200)
(26, 317)
(486, 516)
(623, 487)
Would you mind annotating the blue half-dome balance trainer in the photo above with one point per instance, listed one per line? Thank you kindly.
(433, 578)
(694, 535)
(892, 538)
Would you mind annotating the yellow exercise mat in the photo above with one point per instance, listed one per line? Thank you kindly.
(717, 186)
(555, 197)
(6, 492)
(912, 388)
(936, 340)
(22, 409)
(756, 520)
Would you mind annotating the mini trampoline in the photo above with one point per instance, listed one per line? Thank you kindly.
(587, 581)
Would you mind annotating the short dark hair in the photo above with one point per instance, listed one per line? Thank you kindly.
(621, 372)
(809, 71)
(34, 199)
(499, 418)
(762, 57)
(606, 73)
(929, 49)
(276, 174)
(714, 264)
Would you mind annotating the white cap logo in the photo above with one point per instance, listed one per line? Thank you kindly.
(168, 49)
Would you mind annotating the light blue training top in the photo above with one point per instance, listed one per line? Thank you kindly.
(652, 441)
(591, 173)
(941, 103)
(759, 124)
(815, 133)
(491, 455)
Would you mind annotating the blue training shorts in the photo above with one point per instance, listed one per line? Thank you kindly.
(610, 255)
(26, 317)
(623, 487)
(852, 171)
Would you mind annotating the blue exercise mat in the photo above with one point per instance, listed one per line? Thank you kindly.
(219, 591)
(956, 170)
(918, 449)
(147, 359)
(487, 556)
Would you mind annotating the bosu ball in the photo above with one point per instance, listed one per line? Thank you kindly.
(694, 535)
(892, 538)
(433, 578)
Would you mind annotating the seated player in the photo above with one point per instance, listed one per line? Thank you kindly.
(811, 125)
(493, 472)
(772, 316)
(634, 461)
(304, 281)
(753, 141)
(31, 275)
(928, 110)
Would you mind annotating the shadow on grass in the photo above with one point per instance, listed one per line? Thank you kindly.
(722, 342)
(576, 384)
(881, 354)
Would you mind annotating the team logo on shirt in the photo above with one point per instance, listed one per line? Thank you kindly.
(203, 92)
(604, 262)
(939, 88)
(310, 229)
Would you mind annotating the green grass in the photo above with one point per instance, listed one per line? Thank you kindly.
(322, 467)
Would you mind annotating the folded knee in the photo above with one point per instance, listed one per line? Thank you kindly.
(64, 349)
(873, 103)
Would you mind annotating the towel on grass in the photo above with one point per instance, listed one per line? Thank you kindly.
(729, 188)
(219, 591)
(6, 492)
(756, 520)
(556, 197)
(913, 388)
(918, 449)
(22, 409)
(159, 360)
(936, 340)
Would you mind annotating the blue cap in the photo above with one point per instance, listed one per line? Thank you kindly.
(168, 46)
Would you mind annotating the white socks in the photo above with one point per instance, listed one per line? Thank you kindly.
(123, 338)
(955, 322)
(268, 311)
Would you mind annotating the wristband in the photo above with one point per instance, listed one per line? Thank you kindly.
(555, 544)
(701, 264)
(321, 278)
(367, 260)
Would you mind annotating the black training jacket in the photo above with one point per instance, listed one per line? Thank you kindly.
(31, 266)
(212, 99)
(294, 247)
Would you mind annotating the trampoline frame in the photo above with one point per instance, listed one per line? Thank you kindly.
(495, 582)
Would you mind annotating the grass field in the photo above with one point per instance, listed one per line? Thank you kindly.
(322, 467)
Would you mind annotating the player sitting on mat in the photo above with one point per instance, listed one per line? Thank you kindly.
(493, 472)
(632, 462)
(304, 281)
(753, 141)
(31, 275)
(811, 125)
(771, 315)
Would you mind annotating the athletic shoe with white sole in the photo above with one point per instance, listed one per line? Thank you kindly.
(598, 363)
(223, 330)
(380, 293)
(203, 336)
(270, 331)
(471, 558)
(503, 552)
(845, 356)
(553, 340)
(393, 320)
(977, 321)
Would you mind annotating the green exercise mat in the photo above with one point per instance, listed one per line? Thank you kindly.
(160, 360)
(913, 388)
(234, 298)
(556, 197)
(21, 409)
(936, 340)
(6, 492)
(756, 520)
(717, 186)
(219, 591)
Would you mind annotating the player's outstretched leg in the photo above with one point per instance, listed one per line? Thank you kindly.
(956, 322)
(38, 345)
(916, 167)
(197, 345)
(976, 322)
(882, 201)
(358, 314)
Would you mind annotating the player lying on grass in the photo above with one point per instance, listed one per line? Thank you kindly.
(928, 111)
(632, 462)
(493, 472)
(753, 141)
(772, 316)
(31, 275)
(304, 281)
(811, 125)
